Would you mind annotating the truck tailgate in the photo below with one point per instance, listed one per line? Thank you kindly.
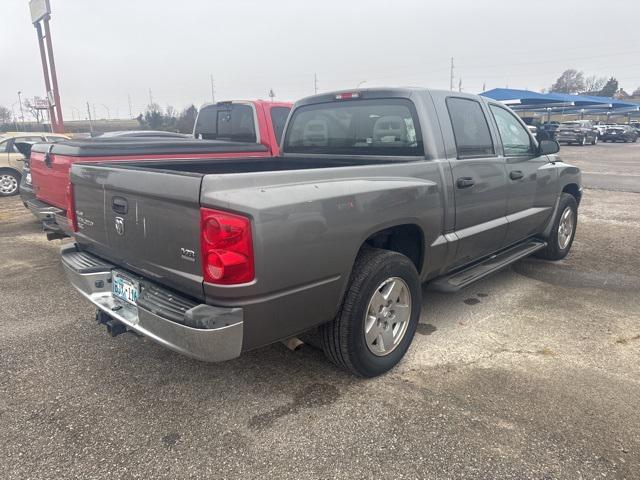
(147, 222)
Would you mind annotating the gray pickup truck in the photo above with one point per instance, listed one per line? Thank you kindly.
(375, 192)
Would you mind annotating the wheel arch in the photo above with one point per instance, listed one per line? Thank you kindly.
(404, 238)
(574, 190)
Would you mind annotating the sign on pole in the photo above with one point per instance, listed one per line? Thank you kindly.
(40, 103)
(39, 9)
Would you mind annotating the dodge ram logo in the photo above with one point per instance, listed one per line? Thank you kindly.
(120, 225)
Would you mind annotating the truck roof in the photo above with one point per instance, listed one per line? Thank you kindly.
(377, 93)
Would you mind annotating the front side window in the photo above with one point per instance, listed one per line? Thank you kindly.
(4, 146)
(515, 138)
(470, 128)
(278, 119)
(356, 127)
(233, 122)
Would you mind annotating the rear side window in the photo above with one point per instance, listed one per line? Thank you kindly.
(470, 128)
(278, 119)
(232, 122)
(356, 127)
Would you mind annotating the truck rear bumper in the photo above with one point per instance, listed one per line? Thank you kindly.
(160, 314)
(41, 210)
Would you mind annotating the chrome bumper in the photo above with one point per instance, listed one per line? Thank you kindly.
(91, 276)
(43, 211)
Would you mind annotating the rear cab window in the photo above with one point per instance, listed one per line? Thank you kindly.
(232, 122)
(470, 128)
(278, 119)
(387, 126)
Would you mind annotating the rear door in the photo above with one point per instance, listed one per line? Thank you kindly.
(146, 221)
(531, 178)
(479, 178)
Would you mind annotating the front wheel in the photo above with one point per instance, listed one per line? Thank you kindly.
(563, 230)
(379, 314)
(9, 182)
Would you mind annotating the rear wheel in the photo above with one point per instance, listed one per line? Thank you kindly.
(563, 230)
(379, 315)
(9, 182)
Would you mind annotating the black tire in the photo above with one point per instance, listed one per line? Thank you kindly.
(553, 250)
(343, 339)
(9, 182)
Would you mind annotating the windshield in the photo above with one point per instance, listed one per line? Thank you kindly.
(356, 127)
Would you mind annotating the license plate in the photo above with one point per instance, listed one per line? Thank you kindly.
(124, 287)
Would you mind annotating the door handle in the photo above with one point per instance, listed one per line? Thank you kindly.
(120, 205)
(516, 175)
(465, 182)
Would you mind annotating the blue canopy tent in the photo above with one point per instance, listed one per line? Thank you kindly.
(565, 104)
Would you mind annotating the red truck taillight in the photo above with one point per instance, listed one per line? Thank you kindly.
(71, 208)
(227, 247)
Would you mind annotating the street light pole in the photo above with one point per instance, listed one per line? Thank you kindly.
(21, 110)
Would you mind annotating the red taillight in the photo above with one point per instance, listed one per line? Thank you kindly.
(227, 247)
(71, 208)
(347, 95)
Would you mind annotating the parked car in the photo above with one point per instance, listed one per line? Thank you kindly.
(232, 129)
(580, 132)
(620, 133)
(601, 128)
(375, 192)
(12, 161)
(547, 131)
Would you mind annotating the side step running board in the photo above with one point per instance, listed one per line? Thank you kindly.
(460, 279)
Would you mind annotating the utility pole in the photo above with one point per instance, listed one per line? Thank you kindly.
(130, 107)
(315, 83)
(90, 121)
(484, 86)
(93, 107)
(272, 94)
(460, 85)
(451, 76)
(150, 97)
(213, 91)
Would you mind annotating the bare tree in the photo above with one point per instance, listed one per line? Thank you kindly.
(36, 113)
(5, 115)
(594, 84)
(571, 81)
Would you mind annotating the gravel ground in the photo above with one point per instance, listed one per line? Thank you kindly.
(533, 372)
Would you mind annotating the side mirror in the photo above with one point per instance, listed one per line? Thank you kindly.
(548, 147)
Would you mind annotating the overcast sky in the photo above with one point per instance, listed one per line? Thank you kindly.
(107, 50)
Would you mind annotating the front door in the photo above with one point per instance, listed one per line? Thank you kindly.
(479, 183)
(530, 176)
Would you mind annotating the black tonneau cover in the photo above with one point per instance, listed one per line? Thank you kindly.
(103, 147)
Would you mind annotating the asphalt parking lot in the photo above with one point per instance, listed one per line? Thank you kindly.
(532, 373)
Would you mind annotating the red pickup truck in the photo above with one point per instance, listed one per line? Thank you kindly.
(222, 130)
